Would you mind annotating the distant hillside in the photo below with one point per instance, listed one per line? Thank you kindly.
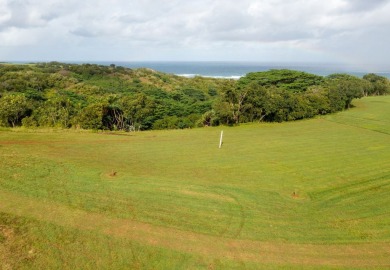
(112, 97)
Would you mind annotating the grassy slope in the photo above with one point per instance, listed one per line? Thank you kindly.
(311, 193)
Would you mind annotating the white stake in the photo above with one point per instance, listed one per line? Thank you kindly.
(220, 140)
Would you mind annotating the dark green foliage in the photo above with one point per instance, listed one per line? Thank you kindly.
(104, 97)
(379, 85)
(318, 98)
(91, 117)
(168, 122)
(283, 95)
(208, 119)
(13, 108)
(212, 92)
(115, 98)
(34, 95)
(194, 94)
(343, 88)
(89, 70)
(57, 111)
(133, 110)
(291, 80)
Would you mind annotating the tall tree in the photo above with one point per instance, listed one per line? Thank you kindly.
(57, 111)
(343, 88)
(13, 108)
(235, 97)
(136, 109)
(379, 85)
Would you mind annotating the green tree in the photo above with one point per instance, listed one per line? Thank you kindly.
(13, 108)
(236, 98)
(91, 117)
(223, 112)
(379, 85)
(169, 122)
(136, 109)
(208, 119)
(291, 80)
(258, 102)
(343, 88)
(57, 111)
(317, 96)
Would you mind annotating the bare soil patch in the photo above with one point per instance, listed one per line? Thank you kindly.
(295, 195)
(207, 195)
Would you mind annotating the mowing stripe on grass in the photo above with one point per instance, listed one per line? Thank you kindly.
(362, 255)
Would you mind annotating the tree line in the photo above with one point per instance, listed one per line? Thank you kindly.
(98, 97)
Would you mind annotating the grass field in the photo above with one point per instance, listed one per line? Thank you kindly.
(310, 194)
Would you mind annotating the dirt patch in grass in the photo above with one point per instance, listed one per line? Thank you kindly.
(295, 195)
(12, 245)
(5, 264)
(116, 133)
(207, 195)
(110, 175)
(34, 142)
(113, 174)
(6, 233)
(348, 255)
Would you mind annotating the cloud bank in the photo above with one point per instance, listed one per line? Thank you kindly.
(354, 31)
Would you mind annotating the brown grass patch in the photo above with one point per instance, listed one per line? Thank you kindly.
(295, 195)
(10, 247)
(112, 174)
(207, 195)
(109, 175)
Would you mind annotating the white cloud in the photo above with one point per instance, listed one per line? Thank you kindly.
(177, 29)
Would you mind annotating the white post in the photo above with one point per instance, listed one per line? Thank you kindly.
(220, 140)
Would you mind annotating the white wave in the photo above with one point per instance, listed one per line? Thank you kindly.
(232, 77)
(187, 75)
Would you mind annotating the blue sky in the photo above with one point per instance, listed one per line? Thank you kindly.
(348, 31)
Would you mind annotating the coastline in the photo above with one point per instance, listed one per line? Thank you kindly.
(230, 69)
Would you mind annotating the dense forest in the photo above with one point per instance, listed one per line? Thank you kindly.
(116, 98)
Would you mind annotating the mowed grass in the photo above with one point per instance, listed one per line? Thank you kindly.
(306, 194)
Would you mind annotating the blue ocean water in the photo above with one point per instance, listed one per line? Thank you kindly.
(236, 70)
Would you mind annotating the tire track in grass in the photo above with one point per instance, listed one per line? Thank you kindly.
(279, 253)
(235, 232)
(356, 126)
(231, 230)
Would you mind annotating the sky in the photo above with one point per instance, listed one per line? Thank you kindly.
(347, 31)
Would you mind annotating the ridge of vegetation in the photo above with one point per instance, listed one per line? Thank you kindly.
(112, 97)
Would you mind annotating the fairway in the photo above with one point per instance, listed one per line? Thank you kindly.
(309, 194)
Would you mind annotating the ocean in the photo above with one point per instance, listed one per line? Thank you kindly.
(236, 70)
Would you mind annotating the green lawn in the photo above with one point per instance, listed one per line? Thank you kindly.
(311, 193)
